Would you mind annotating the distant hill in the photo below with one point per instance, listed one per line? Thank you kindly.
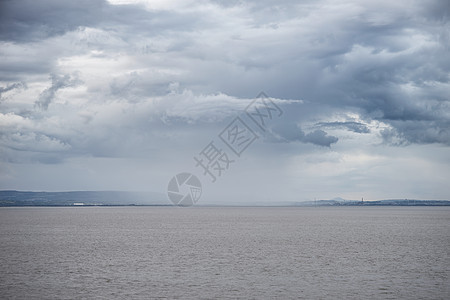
(21, 198)
(75, 198)
(389, 202)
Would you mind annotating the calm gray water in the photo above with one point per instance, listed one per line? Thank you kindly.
(205, 253)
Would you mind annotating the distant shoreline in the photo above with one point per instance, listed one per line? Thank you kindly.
(11, 198)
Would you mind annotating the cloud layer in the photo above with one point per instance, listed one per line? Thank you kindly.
(127, 80)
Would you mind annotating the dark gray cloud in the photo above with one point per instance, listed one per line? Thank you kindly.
(31, 21)
(352, 126)
(58, 82)
(417, 131)
(9, 87)
(291, 132)
(321, 138)
(27, 21)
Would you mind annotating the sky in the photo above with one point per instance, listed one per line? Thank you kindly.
(124, 95)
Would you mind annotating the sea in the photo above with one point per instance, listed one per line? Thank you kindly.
(225, 253)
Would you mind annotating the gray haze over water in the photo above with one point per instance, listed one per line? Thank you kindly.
(205, 252)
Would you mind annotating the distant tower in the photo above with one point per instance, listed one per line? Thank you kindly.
(362, 200)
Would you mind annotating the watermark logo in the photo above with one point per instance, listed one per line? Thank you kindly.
(238, 136)
(215, 158)
(184, 189)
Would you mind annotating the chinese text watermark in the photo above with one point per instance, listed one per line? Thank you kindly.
(220, 153)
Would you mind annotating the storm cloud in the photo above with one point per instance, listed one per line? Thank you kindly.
(85, 85)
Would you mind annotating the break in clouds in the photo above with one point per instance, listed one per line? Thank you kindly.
(122, 94)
